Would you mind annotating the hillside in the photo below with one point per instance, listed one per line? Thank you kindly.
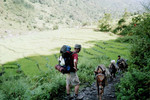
(51, 14)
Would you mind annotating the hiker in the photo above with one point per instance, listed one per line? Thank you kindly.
(121, 63)
(118, 60)
(113, 68)
(72, 77)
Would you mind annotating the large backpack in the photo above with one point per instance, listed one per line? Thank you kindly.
(64, 64)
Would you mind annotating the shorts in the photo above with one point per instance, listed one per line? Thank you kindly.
(72, 79)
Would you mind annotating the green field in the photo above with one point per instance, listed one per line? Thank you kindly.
(101, 53)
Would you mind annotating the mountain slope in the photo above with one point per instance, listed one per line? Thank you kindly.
(45, 14)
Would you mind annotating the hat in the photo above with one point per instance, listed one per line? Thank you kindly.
(77, 46)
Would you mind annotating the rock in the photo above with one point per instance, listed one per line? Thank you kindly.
(88, 89)
(112, 96)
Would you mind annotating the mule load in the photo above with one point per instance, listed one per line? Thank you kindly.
(122, 64)
(113, 68)
(64, 61)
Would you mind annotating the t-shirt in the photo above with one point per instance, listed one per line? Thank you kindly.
(74, 57)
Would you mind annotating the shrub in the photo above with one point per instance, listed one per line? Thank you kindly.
(24, 3)
(105, 27)
(134, 86)
(126, 39)
(14, 89)
(135, 83)
(140, 53)
(2, 95)
(104, 23)
(121, 21)
(55, 27)
(44, 86)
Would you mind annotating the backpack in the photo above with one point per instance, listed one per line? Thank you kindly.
(64, 64)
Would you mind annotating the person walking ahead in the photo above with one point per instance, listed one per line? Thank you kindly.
(72, 77)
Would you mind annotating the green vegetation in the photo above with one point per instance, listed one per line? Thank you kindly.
(55, 27)
(104, 23)
(36, 78)
(135, 83)
(122, 23)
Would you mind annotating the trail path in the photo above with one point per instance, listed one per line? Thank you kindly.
(44, 43)
(90, 93)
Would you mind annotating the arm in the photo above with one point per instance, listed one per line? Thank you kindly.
(75, 61)
(75, 64)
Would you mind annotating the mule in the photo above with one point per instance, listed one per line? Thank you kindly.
(101, 74)
(122, 65)
(113, 69)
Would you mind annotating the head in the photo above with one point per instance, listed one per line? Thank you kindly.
(118, 56)
(77, 48)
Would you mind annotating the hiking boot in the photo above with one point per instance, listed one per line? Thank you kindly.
(69, 97)
(78, 97)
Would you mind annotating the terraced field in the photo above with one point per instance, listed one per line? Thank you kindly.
(101, 53)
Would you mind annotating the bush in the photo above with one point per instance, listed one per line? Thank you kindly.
(55, 27)
(24, 3)
(126, 39)
(135, 83)
(104, 23)
(134, 86)
(121, 21)
(14, 89)
(140, 53)
(44, 86)
(105, 27)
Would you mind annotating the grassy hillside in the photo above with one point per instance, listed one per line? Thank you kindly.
(50, 14)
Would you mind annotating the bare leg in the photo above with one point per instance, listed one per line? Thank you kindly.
(100, 97)
(68, 89)
(76, 89)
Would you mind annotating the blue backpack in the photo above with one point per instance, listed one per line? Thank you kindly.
(65, 58)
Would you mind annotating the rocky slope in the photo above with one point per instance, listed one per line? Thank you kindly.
(49, 14)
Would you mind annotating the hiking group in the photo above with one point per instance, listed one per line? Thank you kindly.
(68, 65)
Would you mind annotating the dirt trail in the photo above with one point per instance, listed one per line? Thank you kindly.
(44, 43)
(90, 93)
(109, 91)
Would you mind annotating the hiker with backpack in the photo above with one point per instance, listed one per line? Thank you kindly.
(68, 65)
(72, 77)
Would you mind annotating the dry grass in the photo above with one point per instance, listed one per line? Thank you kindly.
(44, 43)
